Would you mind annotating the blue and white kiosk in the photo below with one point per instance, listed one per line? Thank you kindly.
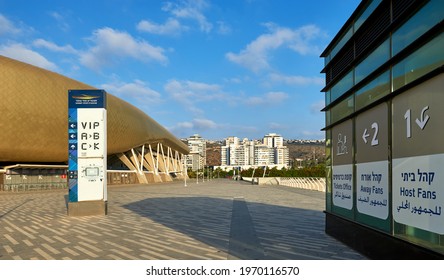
(87, 153)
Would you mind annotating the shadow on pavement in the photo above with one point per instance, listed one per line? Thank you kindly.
(246, 230)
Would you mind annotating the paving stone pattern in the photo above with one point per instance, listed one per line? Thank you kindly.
(215, 220)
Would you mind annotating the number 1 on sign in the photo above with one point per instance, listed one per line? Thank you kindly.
(407, 117)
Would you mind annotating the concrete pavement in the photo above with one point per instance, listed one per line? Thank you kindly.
(217, 220)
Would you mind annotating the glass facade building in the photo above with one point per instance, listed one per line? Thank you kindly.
(384, 97)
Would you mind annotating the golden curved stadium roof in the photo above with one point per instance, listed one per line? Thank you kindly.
(34, 117)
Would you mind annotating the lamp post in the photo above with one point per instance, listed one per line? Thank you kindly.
(197, 172)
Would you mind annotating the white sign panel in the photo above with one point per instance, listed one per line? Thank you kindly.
(91, 132)
(418, 192)
(372, 191)
(343, 186)
(91, 176)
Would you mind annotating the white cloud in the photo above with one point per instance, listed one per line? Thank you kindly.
(190, 9)
(277, 126)
(112, 45)
(41, 43)
(256, 55)
(7, 27)
(186, 125)
(223, 28)
(297, 80)
(204, 124)
(136, 92)
(170, 27)
(270, 98)
(316, 108)
(189, 93)
(191, 127)
(303, 37)
(61, 22)
(21, 52)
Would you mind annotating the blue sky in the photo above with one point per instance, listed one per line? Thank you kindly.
(221, 68)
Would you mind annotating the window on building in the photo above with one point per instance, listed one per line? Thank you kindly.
(342, 86)
(366, 13)
(425, 59)
(420, 23)
(342, 109)
(373, 91)
(347, 35)
(327, 97)
(378, 57)
(327, 117)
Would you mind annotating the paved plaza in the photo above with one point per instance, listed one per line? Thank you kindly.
(216, 220)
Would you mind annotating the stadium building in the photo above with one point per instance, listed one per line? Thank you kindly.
(34, 134)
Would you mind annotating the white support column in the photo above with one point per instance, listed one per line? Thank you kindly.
(165, 159)
(171, 160)
(155, 164)
(142, 158)
(131, 165)
(157, 157)
(150, 165)
(139, 167)
(135, 160)
(162, 165)
(177, 165)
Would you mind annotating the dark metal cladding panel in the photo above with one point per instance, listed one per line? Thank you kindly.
(400, 6)
(346, 60)
(378, 25)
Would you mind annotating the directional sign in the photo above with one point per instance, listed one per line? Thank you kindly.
(372, 166)
(424, 118)
(91, 132)
(372, 134)
(87, 145)
(418, 156)
(374, 139)
(342, 169)
(421, 121)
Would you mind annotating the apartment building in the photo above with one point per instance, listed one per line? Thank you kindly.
(246, 153)
(197, 157)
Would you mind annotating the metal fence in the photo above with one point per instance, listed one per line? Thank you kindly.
(310, 183)
(30, 182)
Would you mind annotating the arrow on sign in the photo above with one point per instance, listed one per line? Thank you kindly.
(365, 135)
(424, 119)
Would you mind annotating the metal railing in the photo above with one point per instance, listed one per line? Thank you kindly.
(17, 187)
(310, 183)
